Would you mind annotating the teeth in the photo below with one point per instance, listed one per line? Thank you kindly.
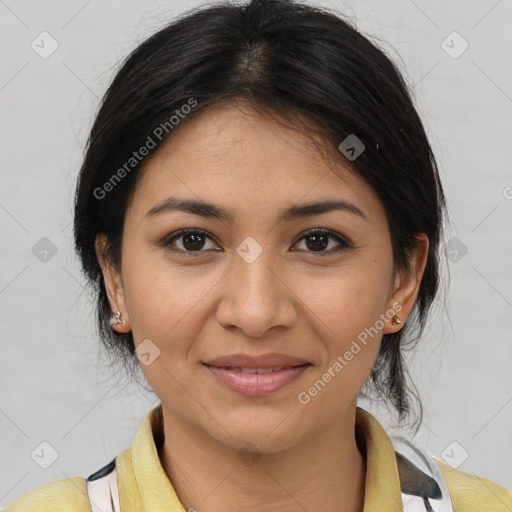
(258, 370)
(254, 370)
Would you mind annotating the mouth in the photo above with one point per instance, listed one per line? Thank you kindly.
(256, 381)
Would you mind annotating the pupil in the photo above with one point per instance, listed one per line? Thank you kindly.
(194, 237)
(323, 244)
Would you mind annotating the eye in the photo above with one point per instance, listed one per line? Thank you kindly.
(192, 241)
(316, 240)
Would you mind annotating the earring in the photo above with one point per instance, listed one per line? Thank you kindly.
(396, 320)
(118, 318)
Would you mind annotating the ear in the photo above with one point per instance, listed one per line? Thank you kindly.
(407, 284)
(113, 285)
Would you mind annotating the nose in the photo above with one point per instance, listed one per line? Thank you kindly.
(256, 296)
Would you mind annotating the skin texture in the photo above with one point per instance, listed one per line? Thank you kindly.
(288, 300)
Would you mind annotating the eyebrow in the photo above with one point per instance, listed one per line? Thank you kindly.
(210, 210)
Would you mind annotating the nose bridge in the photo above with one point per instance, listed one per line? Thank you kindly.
(254, 272)
(255, 298)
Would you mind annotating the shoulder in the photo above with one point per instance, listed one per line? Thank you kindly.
(66, 495)
(471, 493)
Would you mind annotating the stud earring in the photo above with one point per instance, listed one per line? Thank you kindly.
(396, 320)
(118, 318)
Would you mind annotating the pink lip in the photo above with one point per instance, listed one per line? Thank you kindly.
(254, 384)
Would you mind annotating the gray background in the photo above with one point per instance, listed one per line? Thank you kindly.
(56, 386)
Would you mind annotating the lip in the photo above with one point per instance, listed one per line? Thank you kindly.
(259, 361)
(255, 384)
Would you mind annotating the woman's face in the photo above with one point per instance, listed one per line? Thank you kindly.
(254, 282)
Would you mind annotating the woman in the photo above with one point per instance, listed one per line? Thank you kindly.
(260, 213)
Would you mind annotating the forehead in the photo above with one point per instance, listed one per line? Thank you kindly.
(235, 157)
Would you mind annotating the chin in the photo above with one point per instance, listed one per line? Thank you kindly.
(269, 432)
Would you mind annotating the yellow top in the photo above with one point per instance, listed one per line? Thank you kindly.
(145, 487)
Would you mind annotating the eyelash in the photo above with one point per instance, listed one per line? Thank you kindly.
(343, 243)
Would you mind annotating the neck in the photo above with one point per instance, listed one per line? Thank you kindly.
(326, 473)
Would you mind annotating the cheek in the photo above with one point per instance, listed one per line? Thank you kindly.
(165, 306)
(341, 318)
(169, 305)
(348, 300)
(158, 293)
(345, 314)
